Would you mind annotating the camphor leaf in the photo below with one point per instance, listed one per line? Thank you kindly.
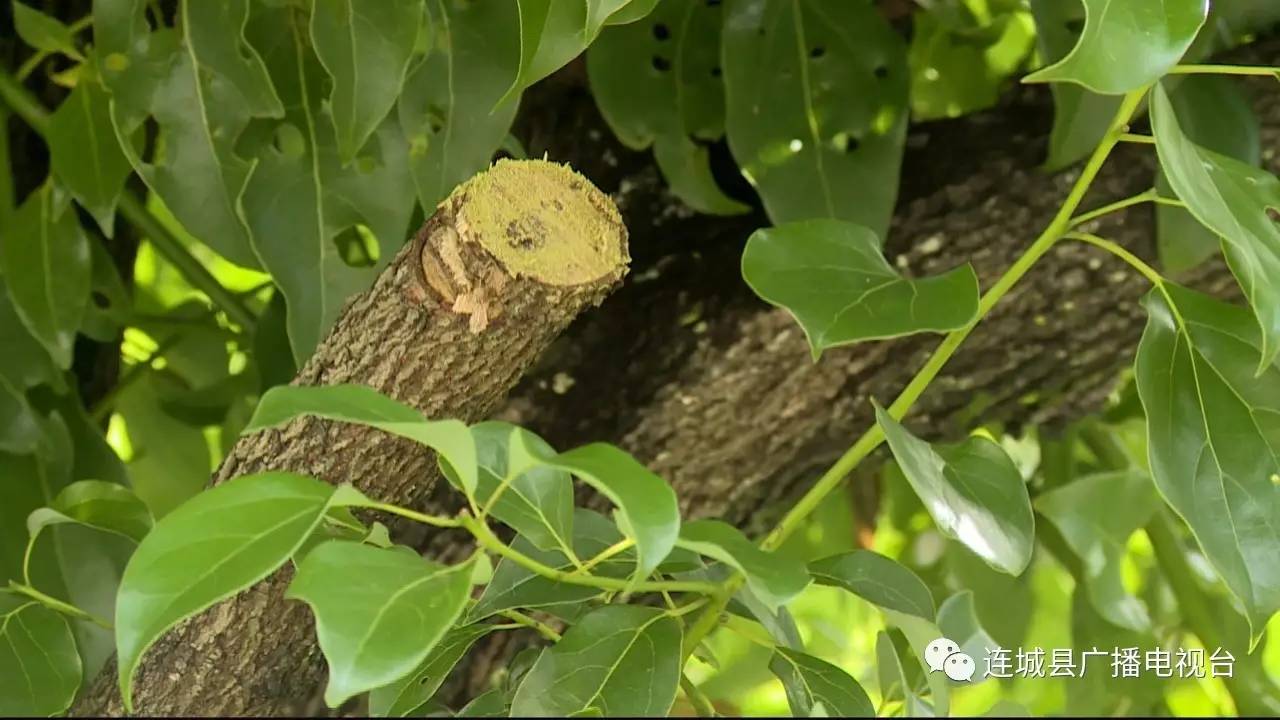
(634, 10)
(553, 32)
(919, 633)
(213, 546)
(958, 621)
(773, 579)
(619, 660)
(1080, 116)
(449, 110)
(1213, 435)
(538, 503)
(1233, 199)
(39, 667)
(83, 150)
(365, 406)
(816, 94)
(833, 278)
(1127, 44)
(46, 265)
(202, 89)
(876, 579)
(366, 49)
(302, 197)
(658, 82)
(406, 696)
(19, 423)
(1216, 115)
(809, 681)
(379, 612)
(973, 491)
(647, 509)
(1096, 514)
(97, 504)
(895, 683)
(43, 32)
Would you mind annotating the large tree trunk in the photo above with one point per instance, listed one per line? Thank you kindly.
(449, 327)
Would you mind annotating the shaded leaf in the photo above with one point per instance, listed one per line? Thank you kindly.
(833, 278)
(1213, 433)
(171, 460)
(772, 578)
(19, 423)
(876, 579)
(84, 152)
(406, 696)
(618, 660)
(1127, 44)
(958, 621)
(895, 684)
(27, 363)
(39, 665)
(553, 32)
(816, 97)
(809, 681)
(222, 541)
(1233, 199)
(378, 612)
(43, 32)
(97, 504)
(919, 634)
(973, 491)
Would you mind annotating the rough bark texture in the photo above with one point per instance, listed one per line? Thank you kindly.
(409, 337)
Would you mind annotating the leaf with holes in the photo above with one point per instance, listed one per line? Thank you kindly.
(1235, 200)
(1096, 514)
(816, 97)
(619, 660)
(832, 277)
(213, 546)
(407, 696)
(658, 83)
(365, 47)
(97, 504)
(39, 667)
(46, 264)
(809, 682)
(1213, 435)
(973, 491)
(379, 612)
(876, 579)
(773, 579)
(1127, 44)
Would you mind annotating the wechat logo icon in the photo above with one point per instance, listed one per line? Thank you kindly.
(944, 655)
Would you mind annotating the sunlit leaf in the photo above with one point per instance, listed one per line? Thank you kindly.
(379, 612)
(1127, 44)
(39, 665)
(406, 696)
(619, 660)
(217, 544)
(834, 279)
(958, 621)
(1213, 433)
(366, 48)
(773, 578)
(43, 32)
(1234, 199)
(84, 152)
(46, 265)
(895, 683)
(809, 681)
(973, 491)
(97, 504)
(876, 579)
(816, 93)
(553, 32)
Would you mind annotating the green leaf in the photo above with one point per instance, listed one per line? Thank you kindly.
(772, 578)
(171, 461)
(46, 264)
(365, 406)
(378, 612)
(1213, 435)
(973, 491)
(833, 278)
(537, 504)
(632, 11)
(619, 660)
(658, 83)
(406, 696)
(919, 633)
(84, 153)
(816, 94)
(1127, 44)
(449, 111)
(1216, 115)
(27, 363)
(110, 307)
(1096, 514)
(39, 665)
(43, 32)
(1233, 199)
(895, 684)
(366, 48)
(553, 32)
(809, 681)
(19, 423)
(958, 621)
(202, 89)
(877, 579)
(647, 507)
(97, 504)
(217, 544)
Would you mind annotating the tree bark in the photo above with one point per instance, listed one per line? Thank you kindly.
(495, 274)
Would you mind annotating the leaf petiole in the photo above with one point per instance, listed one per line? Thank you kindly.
(54, 603)
(1148, 196)
(1225, 70)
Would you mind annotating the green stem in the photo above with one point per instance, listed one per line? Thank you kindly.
(25, 106)
(1137, 138)
(432, 520)
(1142, 197)
(701, 704)
(521, 619)
(1134, 261)
(1224, 70)
(621, 546)
(54, 603)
